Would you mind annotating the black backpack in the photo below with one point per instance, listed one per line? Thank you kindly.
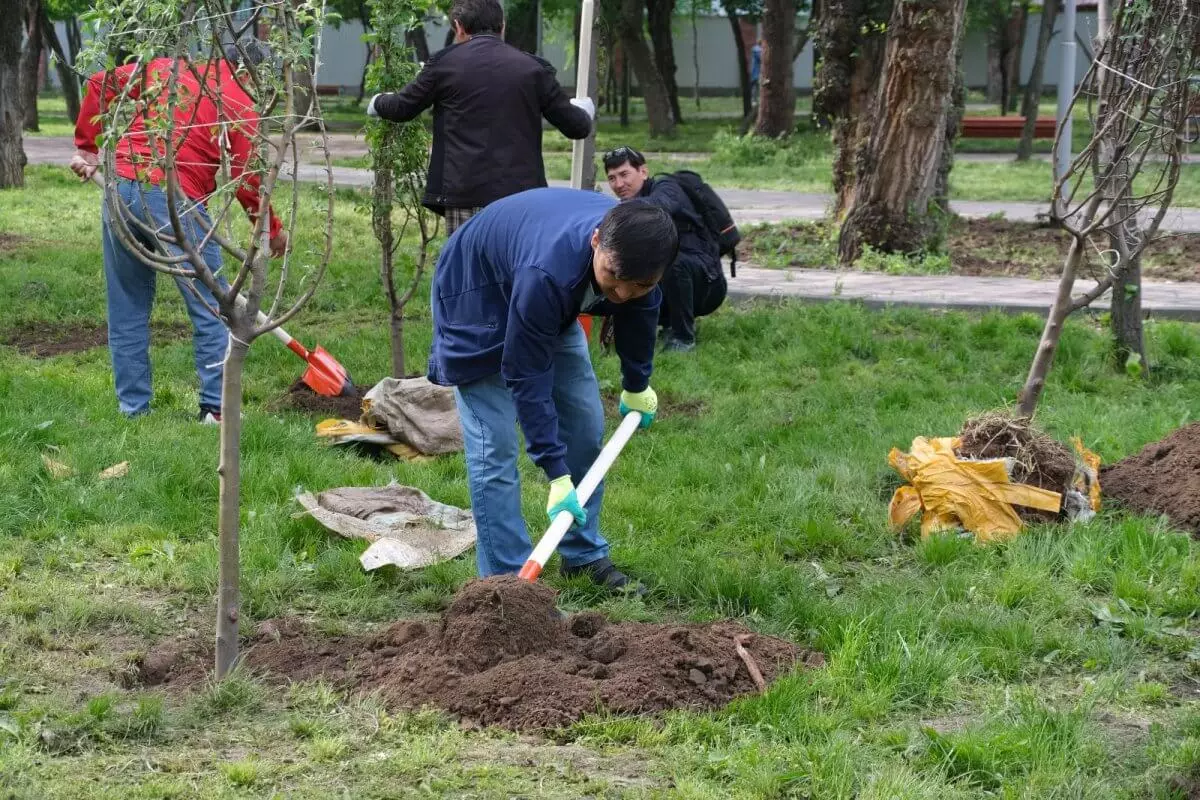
(712, 209)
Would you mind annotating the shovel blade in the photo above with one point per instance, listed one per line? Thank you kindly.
(325, 375)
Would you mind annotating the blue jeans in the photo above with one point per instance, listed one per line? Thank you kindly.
(489, 423)
(131, 287)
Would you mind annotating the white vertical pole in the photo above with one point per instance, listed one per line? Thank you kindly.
(1066, 91)
(583, 88)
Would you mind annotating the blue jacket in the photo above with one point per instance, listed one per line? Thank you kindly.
(508, 284)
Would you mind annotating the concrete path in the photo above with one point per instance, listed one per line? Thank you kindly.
(1175, 300)
(1011, 295)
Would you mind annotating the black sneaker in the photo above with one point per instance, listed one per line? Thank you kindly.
(603, 572)
(674, 345)
(210, 415)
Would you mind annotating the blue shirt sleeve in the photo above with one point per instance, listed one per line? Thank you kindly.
(535, 315)
(634, 327)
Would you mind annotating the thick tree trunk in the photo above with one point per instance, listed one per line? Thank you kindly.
(743, 64)
(31, 62)
(1033, 89)
(777, 100)
(897, 168)
(958, 105)
(228, 531)
(521, 25)
(659, 14)
(74, 39)
(993, 89)
(12, 153)
(654, 92)
(66, 75)
(851, 130)
(1129, 341)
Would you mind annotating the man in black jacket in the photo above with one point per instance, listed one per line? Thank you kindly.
(695, 284)
(488, 101)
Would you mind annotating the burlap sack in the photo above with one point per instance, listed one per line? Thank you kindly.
(417, 413)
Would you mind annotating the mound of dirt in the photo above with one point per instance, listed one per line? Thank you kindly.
(503, 656)
(1164, 478)
(303, 399)
(42, 339)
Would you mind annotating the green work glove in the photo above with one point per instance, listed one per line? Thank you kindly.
(563, 498)
(645, 401)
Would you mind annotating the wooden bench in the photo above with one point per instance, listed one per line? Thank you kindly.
(1005, 127)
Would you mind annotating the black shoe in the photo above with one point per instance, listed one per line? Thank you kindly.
(210, 415)
(671, 344)
(603, 572)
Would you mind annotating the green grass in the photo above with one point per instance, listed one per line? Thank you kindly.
(953, 670)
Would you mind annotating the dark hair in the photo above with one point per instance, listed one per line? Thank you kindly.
(478, 16)
(641, 238)
(250, 52)
(621, 155)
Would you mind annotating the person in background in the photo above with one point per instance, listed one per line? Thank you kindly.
(206, 134)
(755, 69)
(488, 102)
(695, 284)
(507, 291)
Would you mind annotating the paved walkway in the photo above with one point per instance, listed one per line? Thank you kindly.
(1175, 300)
(1011, 295)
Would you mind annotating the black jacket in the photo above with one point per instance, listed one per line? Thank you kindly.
(697, 247)
(488, 101)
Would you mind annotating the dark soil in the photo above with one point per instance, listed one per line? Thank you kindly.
(10, 242)
(668, 405)
(42, 339)
(977, 247)
(301, 398)
(1164, 478)
(501, 655)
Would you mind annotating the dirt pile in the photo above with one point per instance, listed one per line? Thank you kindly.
(1164, 478)
(303, 399)
(502, 655)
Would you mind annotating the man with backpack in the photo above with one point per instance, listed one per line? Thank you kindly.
(695, 284)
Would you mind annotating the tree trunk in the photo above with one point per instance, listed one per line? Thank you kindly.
(626, 88)
(419, 42)
(1015, 54)
(1129, 342)
(12, 153)
(589, 144)
(74, 39)
(521, 25)
(958, 105)
(777, 100)
(230, 472)
(743, 64)
(993, 89)
(695, 58)
(659, 14)
(1033, 89)
(1035, 382)
(31, 61)
(896, 170)
(654, 92)
(66, 75)
(851, 48)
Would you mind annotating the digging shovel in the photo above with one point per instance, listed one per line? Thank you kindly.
(562, 523)
(325, 375)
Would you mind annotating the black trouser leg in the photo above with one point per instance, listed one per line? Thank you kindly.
(678, 287)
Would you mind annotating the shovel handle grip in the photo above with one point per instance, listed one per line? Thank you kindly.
(562, 523)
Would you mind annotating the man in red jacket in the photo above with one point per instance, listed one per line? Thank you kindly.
(203, 133)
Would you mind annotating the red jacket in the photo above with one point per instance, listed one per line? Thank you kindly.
(198, 128)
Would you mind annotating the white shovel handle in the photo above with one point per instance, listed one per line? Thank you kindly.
(562, 523)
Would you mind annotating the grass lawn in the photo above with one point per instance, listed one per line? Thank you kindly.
(953, 670)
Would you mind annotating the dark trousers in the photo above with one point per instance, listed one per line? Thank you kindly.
(689, 292)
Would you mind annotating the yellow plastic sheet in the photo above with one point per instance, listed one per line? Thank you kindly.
(1087, 479)
(951, 493)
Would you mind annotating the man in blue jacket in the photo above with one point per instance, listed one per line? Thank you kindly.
(508, 289)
